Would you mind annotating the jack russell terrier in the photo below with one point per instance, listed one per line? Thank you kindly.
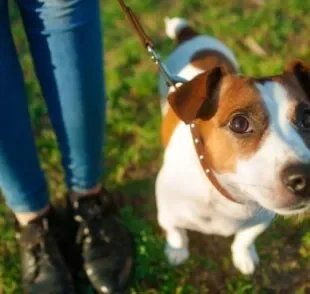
(236, 147)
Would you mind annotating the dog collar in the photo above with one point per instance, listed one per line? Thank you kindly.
(205, 164)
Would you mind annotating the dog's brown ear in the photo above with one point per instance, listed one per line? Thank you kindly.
(196, 98)
(301, 71)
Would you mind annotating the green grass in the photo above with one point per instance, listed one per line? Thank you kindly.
(133, 151)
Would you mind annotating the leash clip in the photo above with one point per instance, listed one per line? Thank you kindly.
(171, 80)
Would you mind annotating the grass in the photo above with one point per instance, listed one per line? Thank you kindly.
(133, 150)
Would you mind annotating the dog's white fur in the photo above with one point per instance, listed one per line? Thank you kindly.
(185, 197)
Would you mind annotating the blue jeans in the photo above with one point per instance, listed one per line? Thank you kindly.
(66, 46)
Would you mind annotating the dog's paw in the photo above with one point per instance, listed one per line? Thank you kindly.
(176, 256)
(245, 259)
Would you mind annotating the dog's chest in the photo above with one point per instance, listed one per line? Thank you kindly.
(219, 218)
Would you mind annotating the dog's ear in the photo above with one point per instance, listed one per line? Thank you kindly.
(197, 98)
(301, 71)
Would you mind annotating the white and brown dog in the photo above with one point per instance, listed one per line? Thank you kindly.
(236, 147)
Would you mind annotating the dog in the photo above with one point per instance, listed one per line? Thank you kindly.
(236, 148)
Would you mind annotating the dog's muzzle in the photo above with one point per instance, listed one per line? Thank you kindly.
(296, 178)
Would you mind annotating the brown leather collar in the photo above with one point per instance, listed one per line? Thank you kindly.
(205, 164)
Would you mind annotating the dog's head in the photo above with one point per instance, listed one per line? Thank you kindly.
(256, 133)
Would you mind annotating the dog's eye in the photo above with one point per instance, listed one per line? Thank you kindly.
(306, 119)
(240, 124)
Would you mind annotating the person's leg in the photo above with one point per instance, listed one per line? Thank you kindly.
(65, 39)
(21, 178)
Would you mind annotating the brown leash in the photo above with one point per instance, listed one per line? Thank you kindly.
(148, 44)
(172, 80)
(145, 40)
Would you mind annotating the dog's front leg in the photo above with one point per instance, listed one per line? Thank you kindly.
(176, 248)
(244, 253)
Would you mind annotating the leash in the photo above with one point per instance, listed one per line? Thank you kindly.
(171, 81)
(148, 44)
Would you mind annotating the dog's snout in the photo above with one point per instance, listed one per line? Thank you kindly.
(296, 178)
(296, 182)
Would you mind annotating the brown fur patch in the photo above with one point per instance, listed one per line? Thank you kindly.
(301, 71)
(186, 34)
(188, 100)
(169, 124)
(184, 108)
(300, 101)
(238, 95)
(208, 59)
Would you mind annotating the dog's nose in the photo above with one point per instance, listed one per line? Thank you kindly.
(296, 182)
(297, 179)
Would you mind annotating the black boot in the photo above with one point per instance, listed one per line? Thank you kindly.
(43, 267)
(106, 245)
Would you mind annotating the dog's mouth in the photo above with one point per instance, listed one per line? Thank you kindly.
(294, 209)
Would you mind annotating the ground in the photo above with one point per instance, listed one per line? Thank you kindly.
(264, 35)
